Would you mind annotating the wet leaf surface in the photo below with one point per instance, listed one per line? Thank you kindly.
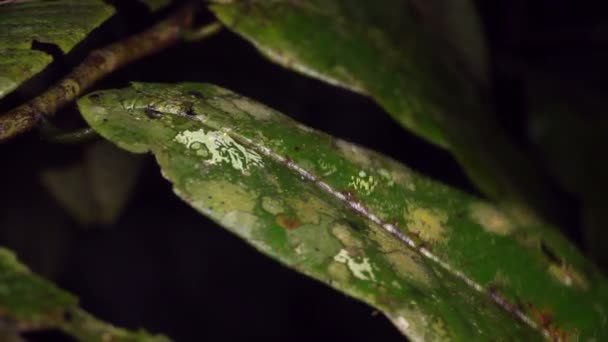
(63, 23)
(28, 303)
(439, 263)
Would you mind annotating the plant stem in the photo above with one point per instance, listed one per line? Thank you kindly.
(98, 64)
(74, 137)
(202, 32)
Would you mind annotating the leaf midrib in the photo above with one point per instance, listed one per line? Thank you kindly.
(360, 209)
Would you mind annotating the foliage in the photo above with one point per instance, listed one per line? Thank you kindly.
(439, 263)
(62, 23)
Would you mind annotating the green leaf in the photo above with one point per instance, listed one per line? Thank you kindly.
(357, 45)
(424, 62)
(62, 22)
(28, 302)
(439, 263)
(394, 51)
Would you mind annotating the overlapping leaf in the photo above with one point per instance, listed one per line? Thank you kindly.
(439, 263)
(424, 62)
(63, 23)
(28, 302)
(367, 47)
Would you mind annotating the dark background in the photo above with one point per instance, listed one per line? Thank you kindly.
(167, 269)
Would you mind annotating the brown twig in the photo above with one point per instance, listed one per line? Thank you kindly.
(98, 64)
(202, 32)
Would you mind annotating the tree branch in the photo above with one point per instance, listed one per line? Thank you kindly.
(98, 64)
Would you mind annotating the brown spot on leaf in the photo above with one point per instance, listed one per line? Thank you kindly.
(288, 222)
(354, 252)
(544, 316)
(558, 335)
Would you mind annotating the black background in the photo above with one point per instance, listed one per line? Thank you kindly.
(167, 269)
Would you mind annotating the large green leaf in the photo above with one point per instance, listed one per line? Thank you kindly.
(360, 45)
(439, 263)
(28, 302)
(63, 23)
(424, 62)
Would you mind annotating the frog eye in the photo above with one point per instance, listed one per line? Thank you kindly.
(189, 109)
(196, 94)
(152, 113)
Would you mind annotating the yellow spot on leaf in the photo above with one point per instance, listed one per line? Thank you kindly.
(353, 153)
(568, 276)
(309, 208)
(241, 222)
(491, 219)
(272, 205)
(343, 233)
(402, 324)
(426, 223)
(338, 271)
(221, 197)
(396, 173)
(407, 264)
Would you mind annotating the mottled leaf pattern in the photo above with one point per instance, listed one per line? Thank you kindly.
(423, 61)
(439, 263)
(63, 23)
(357, 45)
